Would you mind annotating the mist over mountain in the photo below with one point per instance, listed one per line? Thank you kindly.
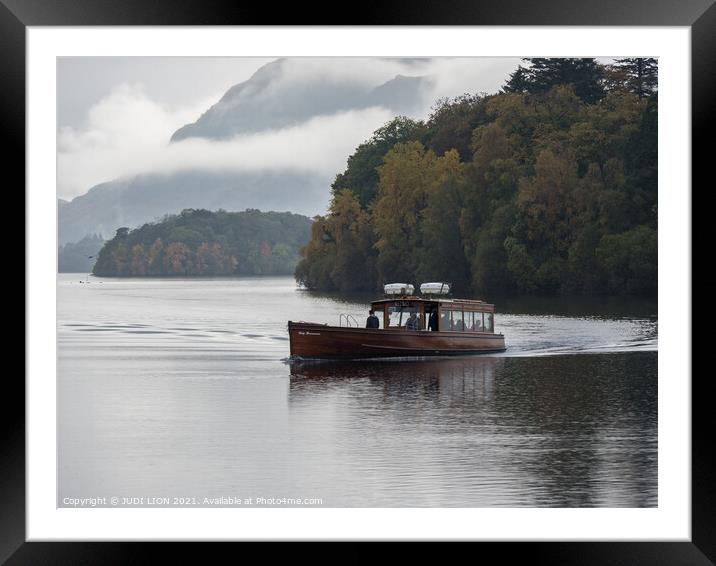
(272, 98)
(285, 96)
(132, 202)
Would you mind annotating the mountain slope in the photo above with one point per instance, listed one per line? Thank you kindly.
(269, 101)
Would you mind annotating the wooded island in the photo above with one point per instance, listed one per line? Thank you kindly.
(549, 186)
(204, 243)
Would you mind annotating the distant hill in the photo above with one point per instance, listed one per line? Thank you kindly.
(79, 257)
(204, 243)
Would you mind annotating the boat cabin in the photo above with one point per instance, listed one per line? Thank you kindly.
(435, 315)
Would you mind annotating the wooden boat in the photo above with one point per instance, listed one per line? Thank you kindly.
(438, 327)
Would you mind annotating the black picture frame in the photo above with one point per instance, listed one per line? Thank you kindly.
(17, 15)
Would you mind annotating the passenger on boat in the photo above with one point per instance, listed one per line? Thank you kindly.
(433, 322)
(372, 320)
(412, 322)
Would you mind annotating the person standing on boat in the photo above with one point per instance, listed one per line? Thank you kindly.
(433, 321)
(412, 322)
(372, 320)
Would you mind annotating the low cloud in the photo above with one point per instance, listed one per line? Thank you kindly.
(451, 76)
(464, 75)
(127, 132)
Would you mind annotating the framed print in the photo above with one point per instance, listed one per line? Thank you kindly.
(479, 182)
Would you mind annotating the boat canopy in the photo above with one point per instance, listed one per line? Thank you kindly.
(398, 289)
(435, 288)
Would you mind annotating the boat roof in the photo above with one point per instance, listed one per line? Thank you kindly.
(473, 303)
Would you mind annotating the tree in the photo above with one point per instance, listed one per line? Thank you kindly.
(521, 265)
(178, 259)
(584, 271)
(489, 143)
(405, 178)
(442, 257)
(630, 260)
(520, 81)
(155, 258)
(340, 255)
(114, 257)
(140, 261)
(212, 259)
(452, 122)
(603, 130)
(315, 269)
(641, 164)
(361, 175)
(584, 75)
(546, 201)
(638, 75)
(351, 230)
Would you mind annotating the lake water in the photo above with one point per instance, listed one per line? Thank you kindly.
(178, 392)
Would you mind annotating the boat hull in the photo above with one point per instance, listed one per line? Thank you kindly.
(320, 341)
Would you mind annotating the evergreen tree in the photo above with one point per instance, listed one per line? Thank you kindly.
(520, 81)
(584, 75)
(639, 74)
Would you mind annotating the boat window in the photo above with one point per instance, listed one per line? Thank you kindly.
(457, 323)
(489, 322)
(473, 321)
(470, 318)
(444, 320)
(399, 315)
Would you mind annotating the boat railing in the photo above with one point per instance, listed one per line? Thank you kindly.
(349, 318)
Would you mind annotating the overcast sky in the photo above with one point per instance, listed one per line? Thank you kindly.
(170, 81)
(116, 114)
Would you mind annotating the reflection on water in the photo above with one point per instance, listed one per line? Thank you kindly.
(172, 387)
(568, 431)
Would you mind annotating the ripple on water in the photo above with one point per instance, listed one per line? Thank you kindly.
(182, 405)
